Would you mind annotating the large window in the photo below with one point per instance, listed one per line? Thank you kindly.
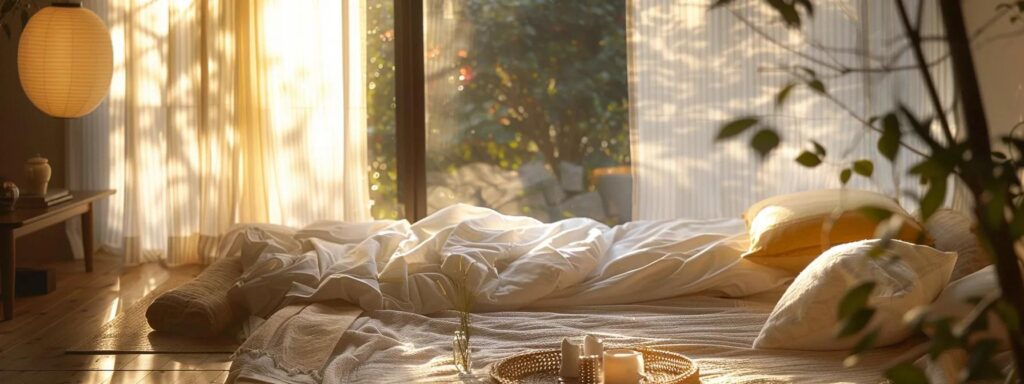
(526, 108)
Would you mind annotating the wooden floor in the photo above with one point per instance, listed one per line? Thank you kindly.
(32, 345)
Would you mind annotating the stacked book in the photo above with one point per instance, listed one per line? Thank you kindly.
(53, 197)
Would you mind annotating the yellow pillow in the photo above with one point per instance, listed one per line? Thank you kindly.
(788, 231)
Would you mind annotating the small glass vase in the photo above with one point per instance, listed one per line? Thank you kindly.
(461, 353)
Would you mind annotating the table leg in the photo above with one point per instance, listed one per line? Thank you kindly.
(7, 271)
(87, 237)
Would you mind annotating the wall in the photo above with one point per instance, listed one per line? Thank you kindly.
(24, 132)
(1000, 66)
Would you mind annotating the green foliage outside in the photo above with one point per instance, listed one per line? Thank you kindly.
(380, 96)
(547, 77)
(538, 80)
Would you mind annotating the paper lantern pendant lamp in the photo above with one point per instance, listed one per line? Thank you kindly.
(65, 60)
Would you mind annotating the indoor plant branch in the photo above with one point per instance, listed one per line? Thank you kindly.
(922, 65)
(860, 119)
(886, 65)
(995, 234)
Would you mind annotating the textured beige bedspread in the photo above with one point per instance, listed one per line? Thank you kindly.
(395, 347)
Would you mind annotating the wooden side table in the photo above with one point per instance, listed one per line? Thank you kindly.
(22, 222)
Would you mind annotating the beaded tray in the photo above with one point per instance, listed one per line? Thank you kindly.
(661, 367)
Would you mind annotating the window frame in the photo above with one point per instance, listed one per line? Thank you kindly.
(410, 109)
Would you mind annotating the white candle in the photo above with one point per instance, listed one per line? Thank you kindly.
(592, 346)
(623, 366)
(570, 366)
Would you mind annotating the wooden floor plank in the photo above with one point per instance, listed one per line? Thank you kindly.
(128, 377)
(91, 377)
(10, 376)
(217, 378)
(178, 377)
(31, 310)
(32, 345)
(39, 377)
(101, 306)
(52, 340)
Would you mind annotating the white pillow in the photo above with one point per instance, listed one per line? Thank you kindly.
(953, 231)
(806, 317)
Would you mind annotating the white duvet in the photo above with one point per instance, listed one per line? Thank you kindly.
(515, 262)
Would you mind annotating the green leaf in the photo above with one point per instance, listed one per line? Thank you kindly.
(765, 141)
(856, 322)
(855, 299)
(906, 373)
(942, 339)
(780, 98)
(817, 86)
(864, 167)
(844, 175)
(818, 148)
(810, 72)
(735, 127)
(808, 159)
(922, 127)
(931, 168)
(995, 205)
(933, 197)
(787, 11)
(867, 342)
(889, 142)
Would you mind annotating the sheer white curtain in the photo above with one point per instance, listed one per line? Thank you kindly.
(305, 110)
(692, 69)
(220, 112)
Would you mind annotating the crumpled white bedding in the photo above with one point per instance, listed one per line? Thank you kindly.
(515, 262)
(534, 283)
(401, 347)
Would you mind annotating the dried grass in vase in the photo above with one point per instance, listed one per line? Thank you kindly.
(462, 300)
